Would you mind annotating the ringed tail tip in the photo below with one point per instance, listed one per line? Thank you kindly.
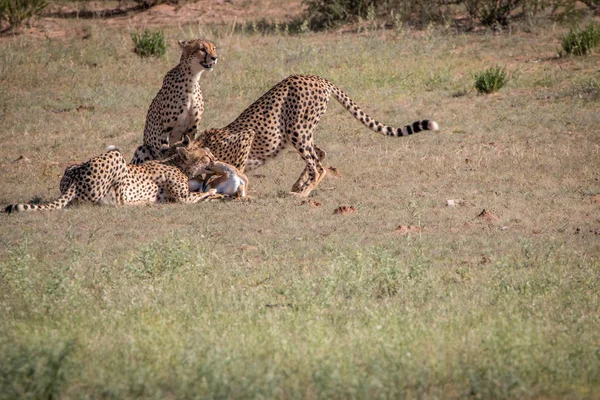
(433, 126)
(112, 148)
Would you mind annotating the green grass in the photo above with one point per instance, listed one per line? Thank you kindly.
(580, 42)
(18, 12)
(491, 80)
(149, 44)
(273, 298)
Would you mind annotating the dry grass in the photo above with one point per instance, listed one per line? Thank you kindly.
(275, 298)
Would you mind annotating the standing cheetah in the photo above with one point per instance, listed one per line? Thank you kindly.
(178, 107)
(290, 112)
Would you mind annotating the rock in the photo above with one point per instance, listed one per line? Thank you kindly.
(488, 216)
(455, 202)
(335, 172)
(344, 210)
(311, 203)
(407, 229)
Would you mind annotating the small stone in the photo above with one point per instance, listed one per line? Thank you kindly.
(345, 210)
(488, 216)
(455, 202)
(407, 229)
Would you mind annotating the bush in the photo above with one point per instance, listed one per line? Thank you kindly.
(580, 42)
(324, 14)
(490, 80)
(149, 43)
(492, 12)
(16, 12)
(33, 371)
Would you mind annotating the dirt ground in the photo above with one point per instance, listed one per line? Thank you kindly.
(71, 18)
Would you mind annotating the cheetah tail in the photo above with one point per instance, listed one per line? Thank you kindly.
(359, 114)
(61, 202)
(112, 148)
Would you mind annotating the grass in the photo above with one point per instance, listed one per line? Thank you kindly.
(580, 42)
(273, 298)
(491, 80)
(149, 44)
(17, 12)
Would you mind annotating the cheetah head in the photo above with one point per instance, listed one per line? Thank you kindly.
(199, 52)
(196, 160)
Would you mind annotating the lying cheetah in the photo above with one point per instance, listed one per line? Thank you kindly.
(166, 180)
(178, 107)
(224, 179)
(88, 181)
(289, 112)
(107, 179)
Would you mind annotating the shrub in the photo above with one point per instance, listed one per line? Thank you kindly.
(16, 12)
(492, 12)
(33, 371)
(580, 42)
(324, 14)
(149, 43)
(490, 80)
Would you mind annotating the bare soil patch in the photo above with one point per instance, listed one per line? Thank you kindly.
(68, 19)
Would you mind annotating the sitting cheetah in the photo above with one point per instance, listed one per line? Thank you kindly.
(289, 112)
(107, 178)
(178, 107)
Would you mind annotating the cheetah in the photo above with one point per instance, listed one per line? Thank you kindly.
(107, 179)
(88, 181)
(159, 181)
(290, 112)
(178, 107)
(221, 178)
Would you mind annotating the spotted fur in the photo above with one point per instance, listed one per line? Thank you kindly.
(290, 112)
(178, 107)
(166, 180)
(107, 179)
(89, 181)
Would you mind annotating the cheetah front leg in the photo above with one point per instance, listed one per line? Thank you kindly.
(180, 193)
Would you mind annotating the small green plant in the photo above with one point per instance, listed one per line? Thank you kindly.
(16, 12)
(490, 80)
(580, 42)
(492, 12)
(149, 43)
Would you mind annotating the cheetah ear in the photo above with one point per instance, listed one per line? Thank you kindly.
(184, 43)
(186, 140)
(184, 153)
(209, 153)
(164, 149)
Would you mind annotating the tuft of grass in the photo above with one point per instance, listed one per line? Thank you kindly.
(490, 80)
(149, 44)
(33, 371)
(17, 12)
(580, 42)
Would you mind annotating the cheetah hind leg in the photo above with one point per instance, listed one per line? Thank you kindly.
(142, 154)
(314, 171)
(321, 154)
